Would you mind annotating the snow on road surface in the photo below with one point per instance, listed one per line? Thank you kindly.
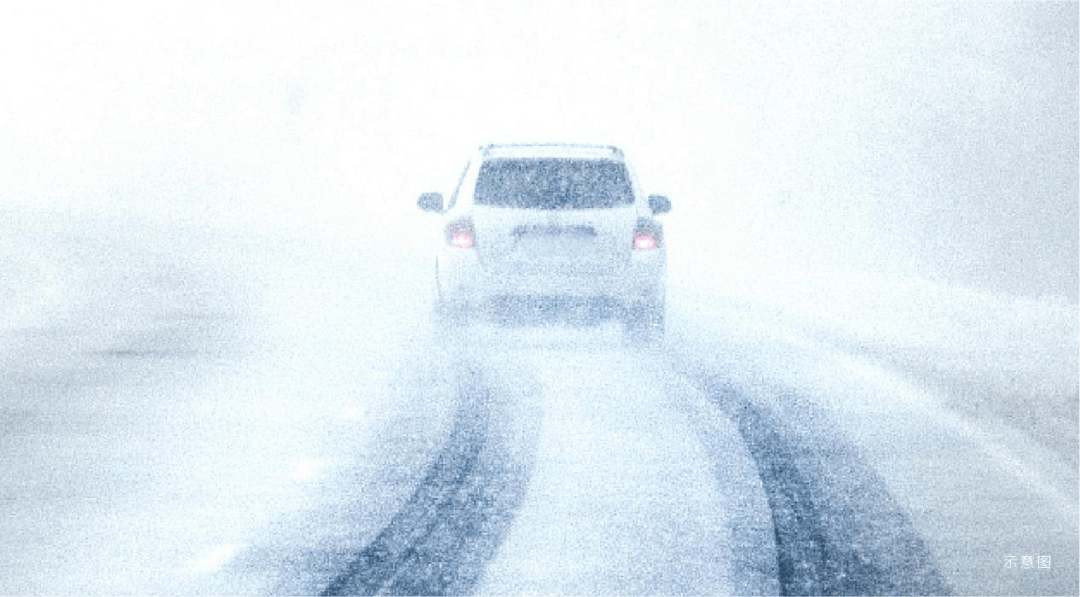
(624, 498)
(979, 492)
(193, 399)
(198, 413)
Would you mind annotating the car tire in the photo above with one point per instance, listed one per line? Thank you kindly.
(645, 321)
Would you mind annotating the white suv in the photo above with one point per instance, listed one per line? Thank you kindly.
(550, 229)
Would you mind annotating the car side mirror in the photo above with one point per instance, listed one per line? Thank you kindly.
(659, 204)
(430, 202)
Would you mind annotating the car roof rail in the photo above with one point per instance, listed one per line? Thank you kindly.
(487, 148)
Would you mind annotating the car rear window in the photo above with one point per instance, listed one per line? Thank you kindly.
(553, 184)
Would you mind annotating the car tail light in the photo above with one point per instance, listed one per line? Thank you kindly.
(648, 236)
(459, 233)
(644, 241)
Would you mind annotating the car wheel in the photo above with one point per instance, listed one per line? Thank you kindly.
(644, 321)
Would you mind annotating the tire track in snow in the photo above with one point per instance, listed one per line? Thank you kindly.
(438, 543)
(838, 531)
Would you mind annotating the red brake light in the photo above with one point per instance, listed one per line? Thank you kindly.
(463, 239)
(644, 241)
(648, 235)
(460, 234)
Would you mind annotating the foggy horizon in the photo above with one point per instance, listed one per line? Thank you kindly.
(929, 139)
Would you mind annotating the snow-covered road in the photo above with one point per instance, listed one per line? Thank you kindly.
(626, 497)
(201, 414)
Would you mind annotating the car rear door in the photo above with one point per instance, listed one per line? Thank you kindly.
(568, 216)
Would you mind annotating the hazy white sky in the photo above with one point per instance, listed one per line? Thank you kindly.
(940, 138)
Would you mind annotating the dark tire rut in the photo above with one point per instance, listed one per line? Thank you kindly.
(838, 530)
(439, 542)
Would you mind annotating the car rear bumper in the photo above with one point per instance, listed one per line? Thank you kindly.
(463, 280)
